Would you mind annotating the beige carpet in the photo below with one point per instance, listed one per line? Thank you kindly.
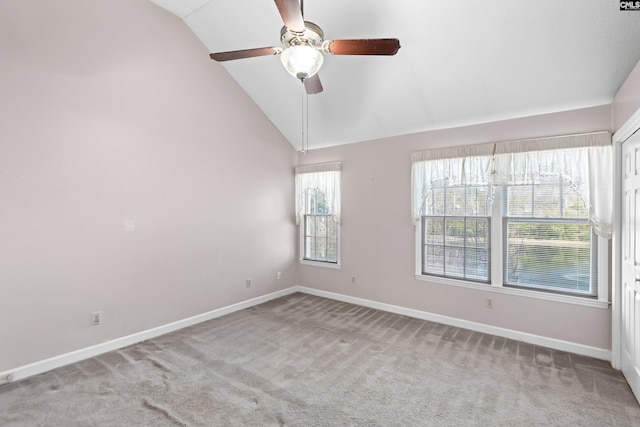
(308, 361)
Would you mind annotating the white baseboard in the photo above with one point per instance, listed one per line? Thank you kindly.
(95, 350)
(585, 350)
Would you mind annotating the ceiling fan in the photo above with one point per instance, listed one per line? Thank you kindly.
(303, 45)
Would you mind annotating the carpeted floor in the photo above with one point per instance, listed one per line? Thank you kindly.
(307, 361)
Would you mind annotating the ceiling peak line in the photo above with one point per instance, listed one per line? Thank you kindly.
(202, 6)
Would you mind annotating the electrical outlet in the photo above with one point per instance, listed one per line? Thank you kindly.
(489, 303)
(248, 283)
(278, 275)
(96, 318)
(6, 379)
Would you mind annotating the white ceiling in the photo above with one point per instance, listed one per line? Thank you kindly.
(461, 62)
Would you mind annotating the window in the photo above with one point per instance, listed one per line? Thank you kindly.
(549, 243)
(456, 233)
(320, 229)
(529, 215)
(318, 212)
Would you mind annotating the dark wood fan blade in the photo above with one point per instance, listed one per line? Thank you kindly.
(362, 47)
(313, 85)
(291, 14)
(245, 53)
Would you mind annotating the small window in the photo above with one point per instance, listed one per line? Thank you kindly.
(318, 212)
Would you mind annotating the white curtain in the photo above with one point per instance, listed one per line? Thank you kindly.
(584, 161)
(324, 177)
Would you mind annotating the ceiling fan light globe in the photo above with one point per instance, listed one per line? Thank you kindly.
(302, 61)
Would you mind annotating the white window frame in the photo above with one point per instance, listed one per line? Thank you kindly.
(466, 216)
(336, 213)
(327, 264)
(497, 263)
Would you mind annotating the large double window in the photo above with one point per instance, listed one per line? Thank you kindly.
(531, 215)
(318, 213)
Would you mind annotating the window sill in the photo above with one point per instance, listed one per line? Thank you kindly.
(567, 299)
(321, 264)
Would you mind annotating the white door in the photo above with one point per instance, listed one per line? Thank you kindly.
(630, 295)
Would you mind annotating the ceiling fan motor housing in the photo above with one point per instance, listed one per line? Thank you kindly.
(311, 36)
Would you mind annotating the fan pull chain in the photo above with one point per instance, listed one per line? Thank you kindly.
(304, 144)
(306, 110)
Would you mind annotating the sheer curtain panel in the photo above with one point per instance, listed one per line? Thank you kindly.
(582, 161)
(312, 178)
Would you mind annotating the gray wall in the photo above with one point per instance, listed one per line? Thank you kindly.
(136, 178)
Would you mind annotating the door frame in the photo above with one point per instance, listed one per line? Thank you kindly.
(630, 127)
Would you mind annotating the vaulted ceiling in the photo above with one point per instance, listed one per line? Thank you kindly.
(461, 62)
